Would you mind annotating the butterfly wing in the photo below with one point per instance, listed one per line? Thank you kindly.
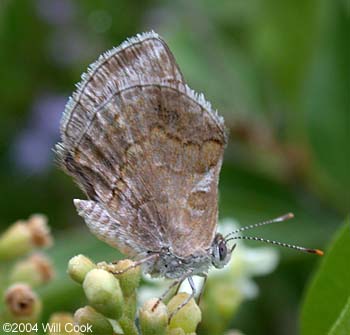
(145, 149)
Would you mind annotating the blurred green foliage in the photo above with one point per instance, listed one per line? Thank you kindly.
(330, 288)
(277, 71)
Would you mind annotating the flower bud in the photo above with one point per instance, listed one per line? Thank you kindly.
(94, 322)
(226, 300)
(103, 291)
(188, 317)
(78, 267)
(130, 279)
(15, 241)
(40, 231)
(22, 304)
(21, 237)
(61, 323)
(153, 322)
(221, 300)
(35, 271)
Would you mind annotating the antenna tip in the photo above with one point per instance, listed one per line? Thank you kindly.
(285, 217)
(315, 251)
(319, 252)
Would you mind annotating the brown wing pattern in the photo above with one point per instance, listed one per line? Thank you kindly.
(145, 55)
(146, 149)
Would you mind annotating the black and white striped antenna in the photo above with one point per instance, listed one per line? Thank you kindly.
(264, 223)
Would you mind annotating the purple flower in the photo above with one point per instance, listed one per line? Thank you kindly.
(56, 12)
(32, 146)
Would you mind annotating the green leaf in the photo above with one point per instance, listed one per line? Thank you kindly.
(342, 325)
(326, 308)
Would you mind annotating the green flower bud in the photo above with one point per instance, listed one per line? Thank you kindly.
(153, 322)
(35, 271)
(93, 322)
(130, 279)
(226, 300)
(15, 241)
(188, 317)
(78, 267)
(103, 291)
(22, 304)
(21, 237)
(220, 301)
(222, 298)
(62, 322)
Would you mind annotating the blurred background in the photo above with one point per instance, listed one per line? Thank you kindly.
(277, 71)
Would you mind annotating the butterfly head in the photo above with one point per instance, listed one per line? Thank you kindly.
(221, 252)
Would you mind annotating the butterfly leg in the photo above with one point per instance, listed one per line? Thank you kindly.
(134, 265)
(185, 302)
(177, 289)
(205, 276)
(168, 290)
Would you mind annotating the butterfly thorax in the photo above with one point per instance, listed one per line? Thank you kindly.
(167, 264)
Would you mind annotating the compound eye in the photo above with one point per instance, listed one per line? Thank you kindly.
(222, 250)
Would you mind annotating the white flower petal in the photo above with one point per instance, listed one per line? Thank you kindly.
(248, 288)
(260, 261)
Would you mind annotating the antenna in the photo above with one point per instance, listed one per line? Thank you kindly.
(281, 244)
(282, 218)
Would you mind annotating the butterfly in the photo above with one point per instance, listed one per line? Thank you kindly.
(147, 151)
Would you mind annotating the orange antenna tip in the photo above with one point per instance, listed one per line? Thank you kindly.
(315, 251)
(319, 252)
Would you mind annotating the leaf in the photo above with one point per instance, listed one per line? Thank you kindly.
(342, 325)
(326, 307)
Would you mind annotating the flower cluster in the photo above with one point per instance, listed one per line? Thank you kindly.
(112, 302)
(29, 269)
